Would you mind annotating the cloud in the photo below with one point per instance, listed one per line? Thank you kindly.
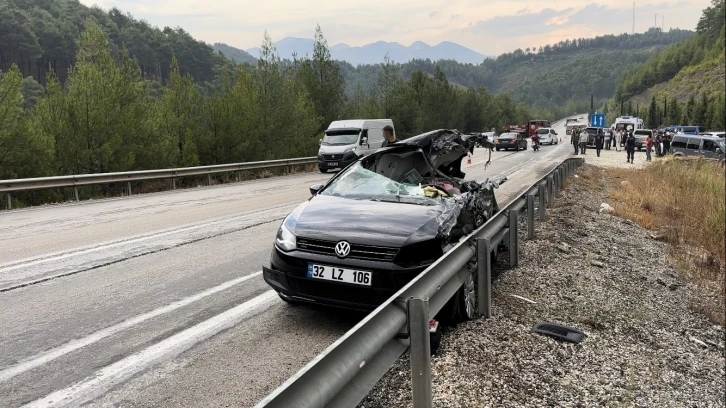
(490, 27)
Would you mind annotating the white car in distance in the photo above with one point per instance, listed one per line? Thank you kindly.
(547, 135)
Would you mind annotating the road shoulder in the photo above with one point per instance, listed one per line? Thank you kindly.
(603, 275)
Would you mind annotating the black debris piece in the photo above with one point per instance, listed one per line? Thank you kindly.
(559, 331)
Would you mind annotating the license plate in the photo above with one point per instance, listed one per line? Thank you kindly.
(332, 164)
(335, 274)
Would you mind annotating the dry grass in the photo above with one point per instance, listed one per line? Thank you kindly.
(683, 201)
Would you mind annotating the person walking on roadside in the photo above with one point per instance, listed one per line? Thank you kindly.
(583, 141)
(658, 143)
(630, 147)
(574, 138)
(648, 147)
(599, 141)
(616, 139)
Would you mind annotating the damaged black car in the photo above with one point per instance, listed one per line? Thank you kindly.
(380, 222)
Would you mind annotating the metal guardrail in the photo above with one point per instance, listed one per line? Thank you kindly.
(9, 186)
(343, 374)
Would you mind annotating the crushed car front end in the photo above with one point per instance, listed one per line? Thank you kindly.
(379, 223)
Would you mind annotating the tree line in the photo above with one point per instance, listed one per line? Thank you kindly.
(108, 117)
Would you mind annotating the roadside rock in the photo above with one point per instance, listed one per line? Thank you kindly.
(606, 208)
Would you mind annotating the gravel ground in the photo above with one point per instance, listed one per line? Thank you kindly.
(603, 275)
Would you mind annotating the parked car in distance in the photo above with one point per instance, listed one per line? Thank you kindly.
(720, 134)
(379, 223)
(691, 130)
(591, 133)
(641, 135)
(698, 145)
(547, 135)
(512, 140)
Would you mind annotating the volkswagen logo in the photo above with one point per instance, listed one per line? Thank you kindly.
(342, 249)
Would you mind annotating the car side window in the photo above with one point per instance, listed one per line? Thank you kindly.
(710, 146)
(679, 143)
(694, 144)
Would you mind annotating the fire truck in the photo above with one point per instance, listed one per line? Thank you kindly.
(529, 129)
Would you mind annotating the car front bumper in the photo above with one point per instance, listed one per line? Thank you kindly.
(287, 274)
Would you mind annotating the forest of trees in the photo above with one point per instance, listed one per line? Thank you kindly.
(707, 44)
(667, 111)
(108, 117)
(40, 35)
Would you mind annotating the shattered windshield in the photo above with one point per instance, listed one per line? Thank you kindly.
(341, 137)
(360, 183)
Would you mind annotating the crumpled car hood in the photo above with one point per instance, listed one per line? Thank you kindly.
(443, 146)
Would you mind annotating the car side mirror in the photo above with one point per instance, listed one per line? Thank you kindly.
(315, 189)
(363, 141)
(320, 142)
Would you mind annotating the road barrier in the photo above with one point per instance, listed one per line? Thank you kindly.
(10, 186)
(343, 374)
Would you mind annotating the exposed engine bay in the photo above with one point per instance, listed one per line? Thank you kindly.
(429, 167)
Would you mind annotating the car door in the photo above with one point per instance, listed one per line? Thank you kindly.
(693, 146)
(709, 149)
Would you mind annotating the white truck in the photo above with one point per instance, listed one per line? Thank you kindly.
(347, 140)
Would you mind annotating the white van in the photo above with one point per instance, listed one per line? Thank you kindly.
(347, 140)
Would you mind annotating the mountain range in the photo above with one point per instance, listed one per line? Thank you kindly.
(374, 53)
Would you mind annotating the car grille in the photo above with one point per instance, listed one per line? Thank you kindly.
(357, 251)
(342, 293)
(328, 157)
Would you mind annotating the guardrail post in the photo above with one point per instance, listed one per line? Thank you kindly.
(418, 326)
(10, 201)
(555, 186)
(173, 183)
(237, 176)
(530, 216)
(484, 277)
(550, 185)
(541, 194)
(209, 179)
(75, 192)
(128, 187)
(513, 238)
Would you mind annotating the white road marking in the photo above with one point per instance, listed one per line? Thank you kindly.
(24, 263)
(50, 355)
(109, 376)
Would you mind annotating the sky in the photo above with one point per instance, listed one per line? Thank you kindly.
(489, 27)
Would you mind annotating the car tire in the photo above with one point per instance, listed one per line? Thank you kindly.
(497, 149)
(462, 306)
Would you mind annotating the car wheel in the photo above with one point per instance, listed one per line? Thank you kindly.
(497, 149)
(462, 306)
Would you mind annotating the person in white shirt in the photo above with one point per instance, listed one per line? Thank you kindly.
(608, 137)
(583, 141)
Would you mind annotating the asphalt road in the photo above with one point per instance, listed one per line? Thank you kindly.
(158, 299)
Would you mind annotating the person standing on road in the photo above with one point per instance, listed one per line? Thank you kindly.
(658, 145)
(389, 136)
(648, 147)
(583, 141)
(630, 147)
(616, 139)
(598, 141)
(608, 139)
(667, 143)
(575, 139)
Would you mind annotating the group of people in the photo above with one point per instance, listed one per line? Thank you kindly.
(607, 138)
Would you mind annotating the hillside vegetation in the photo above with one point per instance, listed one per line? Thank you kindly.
(683, 84)
(547, 76)
(685, 69)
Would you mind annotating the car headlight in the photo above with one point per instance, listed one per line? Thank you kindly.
(285, 239)
(320, 151)
(350, 149)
